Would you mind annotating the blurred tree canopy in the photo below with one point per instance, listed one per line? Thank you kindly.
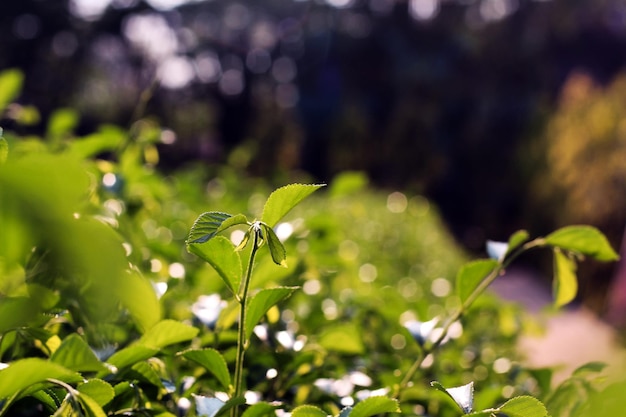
(450, 98)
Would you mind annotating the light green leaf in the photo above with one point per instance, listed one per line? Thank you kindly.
(142, 371)
(260, 409)
(308, 411)
(100, 391)
(343, 338)
(471, 275)
(375, 405)
(517, 239)
(140, 299)
(262, 302)
(75, 354)
(4, 148)
(23, 373)
(586, 240)
(130, 355)
(277, 250)
(282, 200)
(220, 253)
(212, 361)
(107, 138)
(564, 285)
(90, 406)
(16, 312)
(10, 85)
(524, 406)
(590, 367)
(208, 224)
(62, 122)
(168, 332)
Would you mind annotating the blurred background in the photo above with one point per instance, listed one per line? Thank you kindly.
(507, 114)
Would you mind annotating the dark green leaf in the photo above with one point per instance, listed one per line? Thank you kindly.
(212, 361)
(75, 354)
(101, 392)
(564, 285)
(343, 338)
(168, 332)
(586, 240)
(220, 253)
(260, 409)
(24, 373)
(524, 406)
(471, 275)
(375, 405)
(262, 302)
(308, 411)
(208, 224)
(279, 255)
(282, 200)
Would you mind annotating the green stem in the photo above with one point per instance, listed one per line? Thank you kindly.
(488, 280)
(241, 333)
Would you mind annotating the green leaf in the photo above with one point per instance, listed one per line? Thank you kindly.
(10, 85)
(282, 200)
(471, 275)
(100, 391)
(343, 338)
(220, 253)
(524, 406)
(375, 405)
(108, 138)
(277, 250)
(262, 302)
(4, 148)
(62, 122)
(517, 239)
(130, 355)
(211, 407)
(140, 299)
(212, 361)
(463, 396)
(168, 332)
(208, 224)
(260, 409)
(590, 367)
(586, 240)
(142, 371)
(16, 312)
(308, 411)
(24, 373)
(565, 285)
(90, 406)
(75, 354)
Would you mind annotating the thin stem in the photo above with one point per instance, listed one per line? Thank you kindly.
(241, 334)
(488, 280)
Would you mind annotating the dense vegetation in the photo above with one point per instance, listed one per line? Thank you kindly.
(108, 308)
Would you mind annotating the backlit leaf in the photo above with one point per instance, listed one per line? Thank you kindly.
(471, 275)
(24, 373)
(168, 332)
(586, 240)
(262, 302)
(90, 406)
(100, 391)
(277, 250)
(565, 284)
(131, 355)
(343, 338)
(212, 361)
(220, 253)
(375, 405)
(524, 406)
(10, 86)
(75, 354)
(308, 411)
(282, 200)
(260, 409)
(517, 239)
(208, 224)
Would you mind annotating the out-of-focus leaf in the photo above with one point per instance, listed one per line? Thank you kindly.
(220, 253)
(308, 411)
(10, 86)
(586, 240)
(471, 275)
(62, 122)
(138, 296)
(131, 355)
(282, 200)
(262, 302)
(343, 338)
(4, 148)
(212, 361)
(517, 239)
(375, 405)
(260, 409)
(167, 332)
(565, 284)
(23, 373)
(347, 182)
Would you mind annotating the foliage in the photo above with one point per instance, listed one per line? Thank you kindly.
(114, 301)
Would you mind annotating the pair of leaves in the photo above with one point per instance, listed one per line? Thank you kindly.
(369, 407)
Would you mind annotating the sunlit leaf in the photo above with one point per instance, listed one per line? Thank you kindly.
(220, 253)
(10, 85)
(143, 372)
(75, 354)
(208, 224)
(140, 299)
(62, 122)
(90, 406)
(565, 284)
(131, 355)
(277, 250)
(517, 239)
(463, 396)
(586, 240)
(262, 302)
(524, 406)
(308, 411)
(212, 361)
(260, 409)
(343, 338)
(282, 200)
(24, 373)
(100, 391)
(471, 275)
(375, 405)
(168, 332)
